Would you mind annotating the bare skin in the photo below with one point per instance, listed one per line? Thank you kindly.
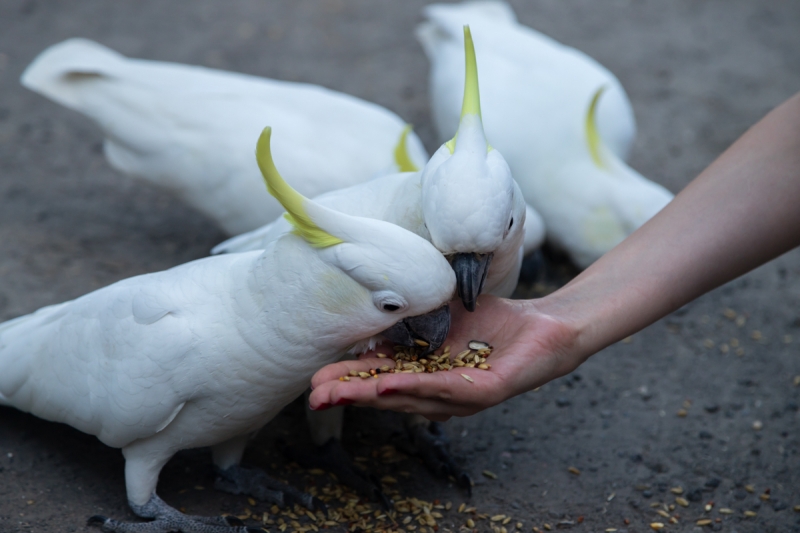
(739, 213)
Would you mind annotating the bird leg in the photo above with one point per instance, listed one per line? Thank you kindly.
(165, 519)
(255, 482)
(430, 443)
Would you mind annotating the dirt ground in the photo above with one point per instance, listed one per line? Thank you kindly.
(698, 73)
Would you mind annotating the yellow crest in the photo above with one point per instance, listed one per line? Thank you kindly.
(290, 199)
(401, 157)
(592, 135)
(471, 104)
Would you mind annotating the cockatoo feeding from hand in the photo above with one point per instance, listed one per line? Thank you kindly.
(464, 201)
(565, 145)
(189, 129)
(467, 204)
(208, 352)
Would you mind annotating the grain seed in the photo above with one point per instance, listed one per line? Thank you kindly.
(662, 513)
(468, 378)
(488, 473)
(478, 345)
(573, 470)
(750, 514)
(656, 526)
(703, 522)
(676, 490)
(725, 510)
(683, 502)
(470, 522)
(682, 413)
(750, 488)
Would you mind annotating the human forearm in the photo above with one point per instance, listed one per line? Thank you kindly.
(742, 211)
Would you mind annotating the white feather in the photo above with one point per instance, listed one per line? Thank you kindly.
(535, 94)
(211, 350)
(190, 129)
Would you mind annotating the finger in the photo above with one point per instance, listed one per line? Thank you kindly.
(463, 385)
(334, 371)
(425, 407)
(364, 393)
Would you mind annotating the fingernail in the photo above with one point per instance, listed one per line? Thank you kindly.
(320, 407)
(343, 401)
(387, 392)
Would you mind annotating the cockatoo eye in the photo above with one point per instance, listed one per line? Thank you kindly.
(508, 229)
(389, 301)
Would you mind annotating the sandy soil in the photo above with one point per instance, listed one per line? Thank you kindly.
(699, 73)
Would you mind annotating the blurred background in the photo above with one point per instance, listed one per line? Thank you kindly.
(698, 74)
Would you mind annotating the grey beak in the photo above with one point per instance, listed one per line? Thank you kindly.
(471, 270)
(428, 330)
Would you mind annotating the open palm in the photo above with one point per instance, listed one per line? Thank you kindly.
(530, 349)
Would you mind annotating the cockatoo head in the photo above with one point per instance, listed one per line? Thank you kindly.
(402, 283)
(470, 202)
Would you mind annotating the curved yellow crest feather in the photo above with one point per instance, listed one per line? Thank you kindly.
(471, 105)
(401, 157)
(290, 199)
(592, 135)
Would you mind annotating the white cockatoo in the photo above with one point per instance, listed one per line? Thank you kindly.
(206, 353)
(467, 204)
(465, 201)
(565, 145)
(188, 129)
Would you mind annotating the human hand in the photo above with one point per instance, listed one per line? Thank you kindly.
(530, 349)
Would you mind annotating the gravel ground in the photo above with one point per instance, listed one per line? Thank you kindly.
(699, 73)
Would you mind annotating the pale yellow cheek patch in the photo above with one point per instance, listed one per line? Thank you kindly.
(602, 229)
(340, 294)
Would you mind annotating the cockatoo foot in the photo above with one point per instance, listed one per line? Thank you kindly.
(256, 483)
(166, 519)
(430, 443)
(332, 457)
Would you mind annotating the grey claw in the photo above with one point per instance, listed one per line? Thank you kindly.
(97, 520)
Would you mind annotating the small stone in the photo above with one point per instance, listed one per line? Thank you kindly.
(563, 402)
(705, 435)
(712, 483)
(712, 408)
(647, 493)
(695, 496)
